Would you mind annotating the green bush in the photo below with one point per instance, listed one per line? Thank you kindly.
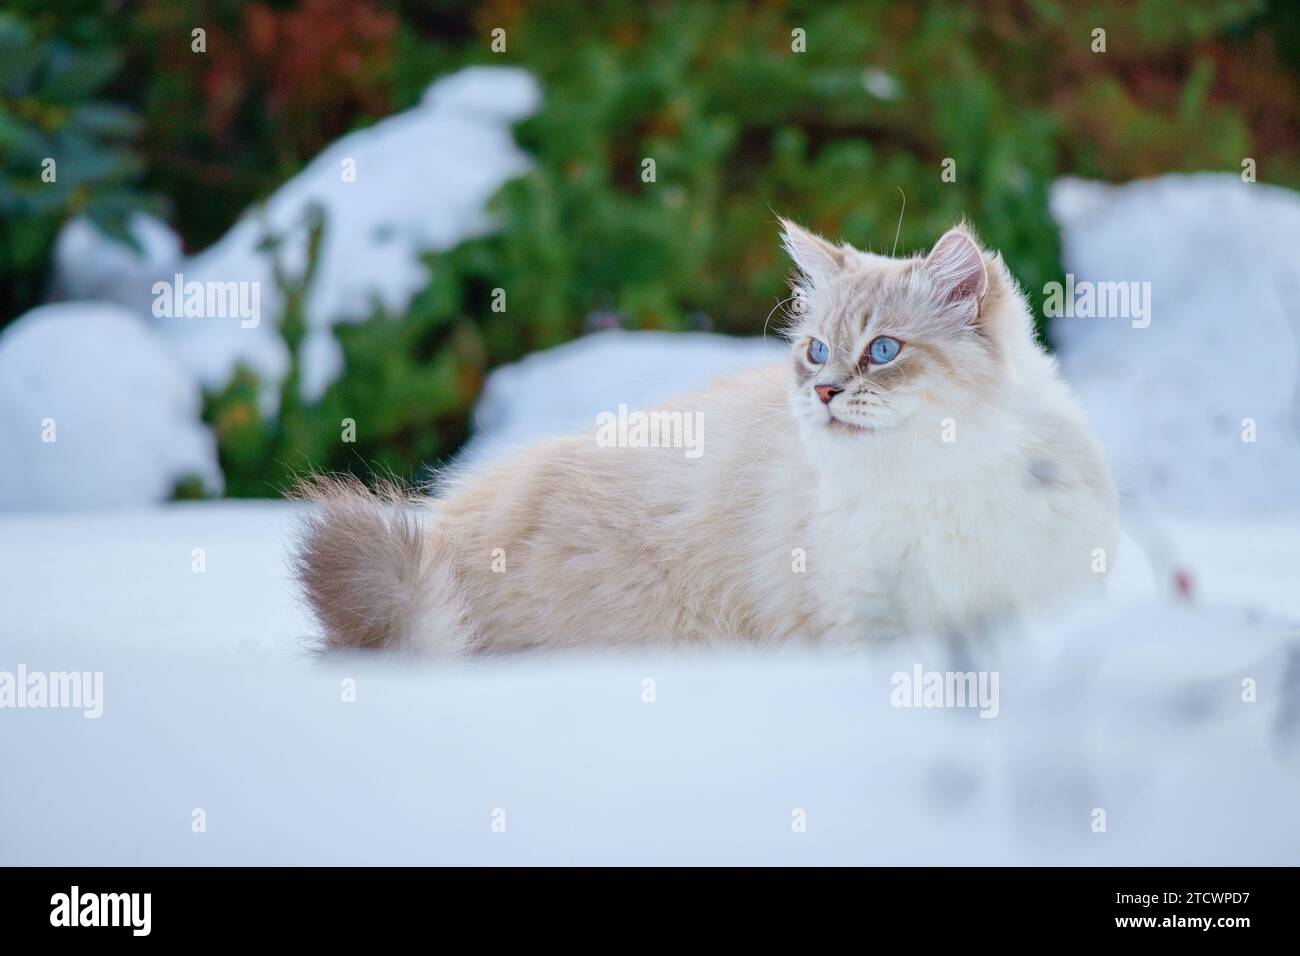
(64, 150)
(741, 127)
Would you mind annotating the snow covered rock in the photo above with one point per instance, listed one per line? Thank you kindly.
(415, 182)
(562, 390)
(89, 265)
(1199, 408)
(422, 182)
(95, 412)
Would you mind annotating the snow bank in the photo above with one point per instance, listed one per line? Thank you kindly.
(94, 412)
(210, 703)
(1170, 401)
(415, 182)
(562, 390)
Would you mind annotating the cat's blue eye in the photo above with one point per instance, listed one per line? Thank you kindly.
(883, 350)
(818, 352)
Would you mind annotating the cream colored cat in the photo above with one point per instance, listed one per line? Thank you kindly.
(919, 467)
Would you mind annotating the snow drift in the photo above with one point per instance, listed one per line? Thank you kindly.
(1200, 409)
(94, 412)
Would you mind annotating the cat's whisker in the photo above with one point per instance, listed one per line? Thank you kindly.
(747, 423)
(788, 298)
(741, 426)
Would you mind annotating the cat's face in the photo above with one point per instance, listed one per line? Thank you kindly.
(880, 344)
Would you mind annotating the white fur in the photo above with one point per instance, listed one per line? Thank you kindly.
(950, 537)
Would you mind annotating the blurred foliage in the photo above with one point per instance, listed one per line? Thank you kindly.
(64, 148)
(276, 84)
(740, 127)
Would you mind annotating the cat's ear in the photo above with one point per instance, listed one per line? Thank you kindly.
(815, 257)
(958, 275)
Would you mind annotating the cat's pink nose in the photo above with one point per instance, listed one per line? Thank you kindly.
(827, 392)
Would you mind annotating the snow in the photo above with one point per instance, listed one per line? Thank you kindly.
(211, 702)
(89, 265)
(80, 431)
(134, 575)
(1169, 401)
(412, 195)
(423, 179)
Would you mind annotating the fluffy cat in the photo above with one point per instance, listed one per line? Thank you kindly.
(918, 467)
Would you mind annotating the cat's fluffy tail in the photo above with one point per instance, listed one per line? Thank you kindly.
(372, 568)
